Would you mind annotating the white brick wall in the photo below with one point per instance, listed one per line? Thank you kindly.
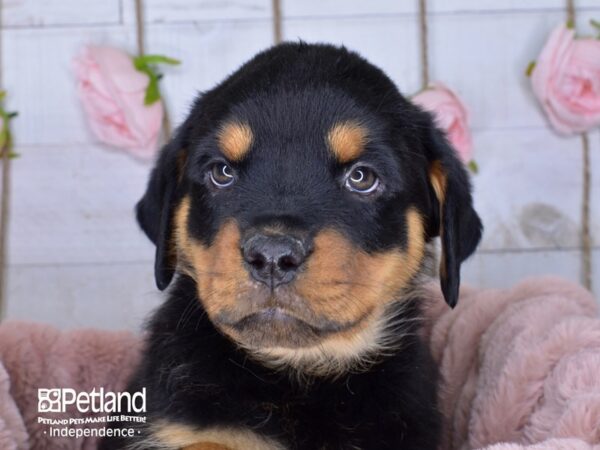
(76, 256)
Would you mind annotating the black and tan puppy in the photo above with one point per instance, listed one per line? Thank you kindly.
(291, 213)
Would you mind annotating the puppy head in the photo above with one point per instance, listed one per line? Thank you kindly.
(299, 195)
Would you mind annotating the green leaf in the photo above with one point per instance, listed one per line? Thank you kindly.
(158, 59)
(530, 68)
(152, 91)
(145, 64)
(570, 24)
(473, 167)
(140, 64)
(4, 137)
(7, 116)
(596, 25)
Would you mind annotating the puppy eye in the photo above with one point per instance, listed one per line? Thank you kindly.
(221, 175)
(362, 179)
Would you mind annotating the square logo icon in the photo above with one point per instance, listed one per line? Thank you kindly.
(49, 401)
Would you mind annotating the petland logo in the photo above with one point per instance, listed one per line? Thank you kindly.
(96, 401)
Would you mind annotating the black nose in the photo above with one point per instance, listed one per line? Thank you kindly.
(273, 260)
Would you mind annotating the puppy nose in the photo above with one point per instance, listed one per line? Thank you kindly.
(273, 260)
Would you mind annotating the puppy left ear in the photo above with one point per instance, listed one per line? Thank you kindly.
(155, 209)
(458, 224)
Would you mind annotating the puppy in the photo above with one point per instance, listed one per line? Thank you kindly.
(292, 213)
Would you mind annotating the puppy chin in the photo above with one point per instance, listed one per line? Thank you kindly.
(263, 319)
(274, 327)
(283, 333)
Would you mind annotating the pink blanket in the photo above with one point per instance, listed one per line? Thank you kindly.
(40, 356)
(520, 369)
(519, 366)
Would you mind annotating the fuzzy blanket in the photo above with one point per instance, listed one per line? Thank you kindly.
(520, 369)
(519, 366)
(40, 356)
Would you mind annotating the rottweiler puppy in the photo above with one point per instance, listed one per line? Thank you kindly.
(293, 213)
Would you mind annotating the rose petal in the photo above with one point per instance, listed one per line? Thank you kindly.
(566, 81)
(112, 93)
(118, 67)
(450, 115)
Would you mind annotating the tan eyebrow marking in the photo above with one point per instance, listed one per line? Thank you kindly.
(235, 140)
(347, 140)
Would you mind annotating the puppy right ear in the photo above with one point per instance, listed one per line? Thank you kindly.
(155, 210)
(458, 225)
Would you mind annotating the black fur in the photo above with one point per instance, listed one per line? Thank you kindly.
(195, 376)
(291, 95)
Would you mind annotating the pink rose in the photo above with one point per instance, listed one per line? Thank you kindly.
(112, 92)
(450, 115)
(566, 81)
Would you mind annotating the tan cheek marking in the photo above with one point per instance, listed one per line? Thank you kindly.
(218, 269)
(235, 140)
(390, 272)
(181, 436)
(438, 179)
(347, 140)
(346, 283)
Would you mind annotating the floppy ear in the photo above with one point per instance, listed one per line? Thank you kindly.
(155, 210)
(458, 224)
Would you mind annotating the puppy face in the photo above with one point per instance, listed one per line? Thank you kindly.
(302, 211)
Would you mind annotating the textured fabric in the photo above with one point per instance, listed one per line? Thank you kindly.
(13, 435)
(40, 356)
(519, 365)
(519, 369)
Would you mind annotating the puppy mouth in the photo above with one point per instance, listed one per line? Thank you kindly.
(277, 327)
